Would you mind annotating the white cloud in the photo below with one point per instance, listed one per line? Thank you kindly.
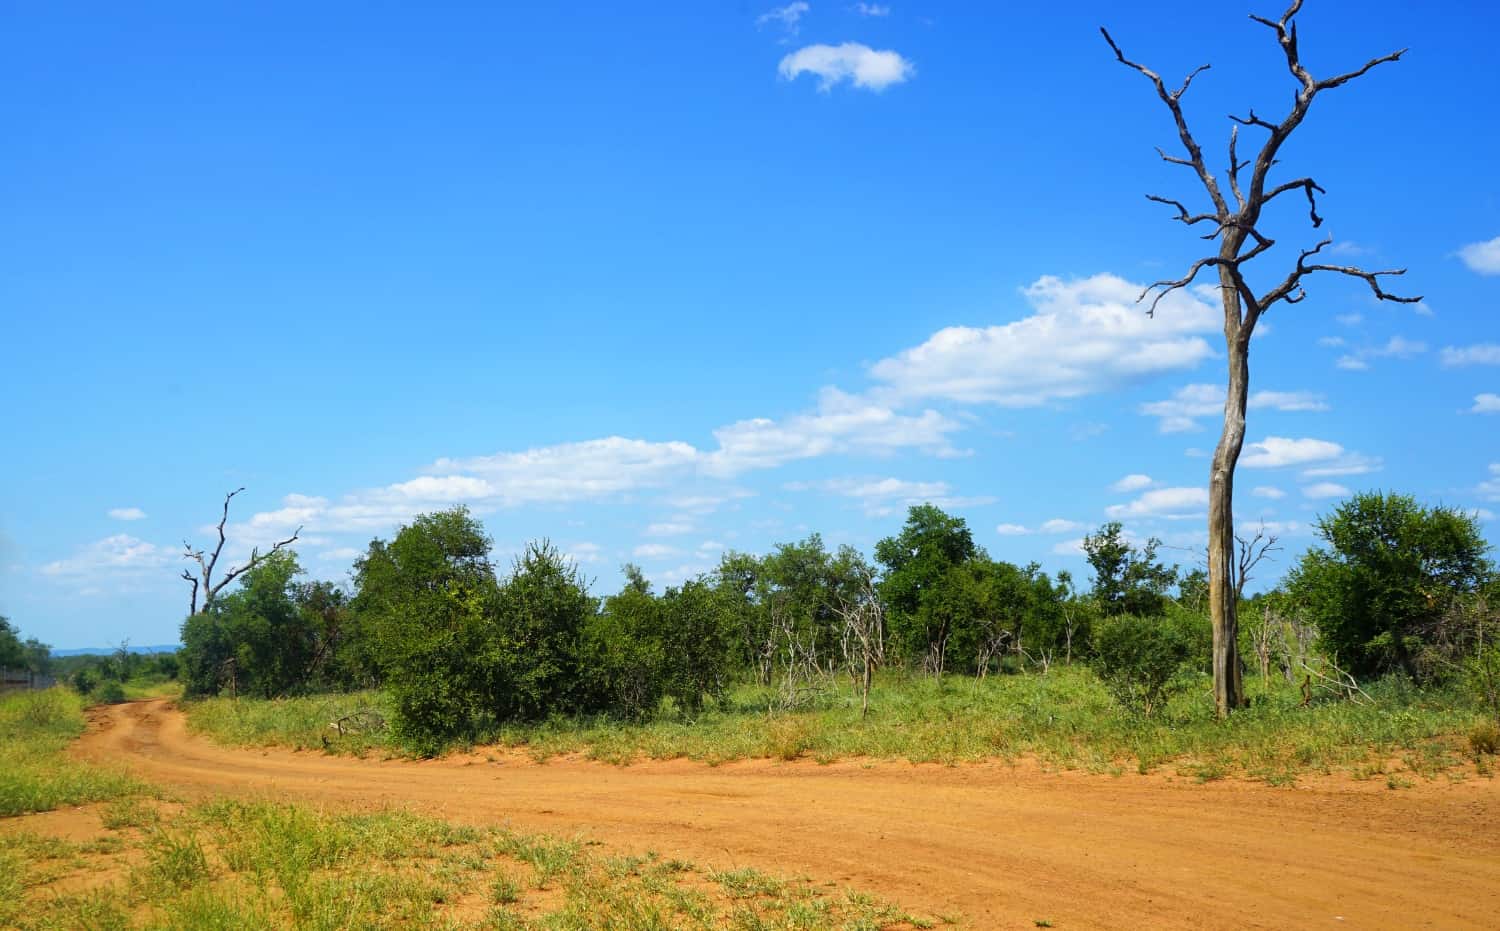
(1275, 452)
(669, 529)
(841, 423)
(118, 553)
(1347, 464)
(1059, 525)
(880, 497)
(1068, 548)
(1133, 482)
(1086, 336)
(1325, 490)
(127, 513)
(1163, 502)
(1484, 514)
(655, 550)
(787, 17)
(872, 9)
(1053, 526)
(858, 64)
(1482, 257)
(1478, 354)
(1331, 342)
(1397, 347)
(1180, 412)
(341, 554)
(583, 552)
(1486, 404)
(562, 473)
(1350, 319)
(1348, 247)
(1490, 487)
(709, 547)
(1267, 491)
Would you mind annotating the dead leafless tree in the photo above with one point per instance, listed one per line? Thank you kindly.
(1236, 225)
(1249, 554)
(204, 580)
(863, 636)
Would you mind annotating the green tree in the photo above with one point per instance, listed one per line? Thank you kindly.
(916, 560)
(30, 654)
(1143, 660)
(1390, 569)
(426, 599)
(1127, 580)
(257, 640)
(534, 647)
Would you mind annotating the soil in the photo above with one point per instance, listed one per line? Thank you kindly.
(1001, 845)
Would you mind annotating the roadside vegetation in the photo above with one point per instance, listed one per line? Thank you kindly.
(1381, 646)
(35, 775)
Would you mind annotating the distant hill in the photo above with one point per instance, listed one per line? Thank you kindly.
(102, 651)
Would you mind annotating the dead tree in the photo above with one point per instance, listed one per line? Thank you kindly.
(863, 636)
(1235, 224)
(204, 580)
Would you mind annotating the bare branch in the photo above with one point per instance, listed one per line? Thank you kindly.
(1308, 185)
(1173, 101)
(255, 559)
(1253, 120)
(205, 580)
(1370, 278)
(1168, 286)
(1182, 212)
(1328, 83)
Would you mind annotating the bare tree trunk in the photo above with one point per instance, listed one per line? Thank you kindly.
(1229, 689)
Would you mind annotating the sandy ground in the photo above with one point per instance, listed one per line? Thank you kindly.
(1004, 846)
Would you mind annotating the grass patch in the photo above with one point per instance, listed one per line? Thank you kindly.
(35, 729)
(1065, 718)
(232, 865)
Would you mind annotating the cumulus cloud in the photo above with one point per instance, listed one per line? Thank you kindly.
(127, 513)
(1477, 354)
(669, 528)
(1267, 491)
(1054, 526)
(583, 552)
(1163, 502)
(881, 497)
(120, 553)
(1397, 347)
(1276, 452)
(1482, 257)
(841, 423)
(872, 9)
(1012, 530)
(1180, 413)
(1486, 404)
(1133, 482)
(1085, 336)
(857, 64)
(1325, 490)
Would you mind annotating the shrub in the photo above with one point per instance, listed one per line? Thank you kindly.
(1484, 739)
(1141, 659)
(109, 693)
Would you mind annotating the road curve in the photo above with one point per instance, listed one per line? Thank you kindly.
(1002, 845)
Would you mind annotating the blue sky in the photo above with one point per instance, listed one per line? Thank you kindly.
(656, 281)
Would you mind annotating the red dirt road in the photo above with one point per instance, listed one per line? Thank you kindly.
(1003, 846)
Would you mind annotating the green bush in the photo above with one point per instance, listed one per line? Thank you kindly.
(109, 693)
(1142, 660)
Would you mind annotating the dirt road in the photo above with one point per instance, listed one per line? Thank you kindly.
(1004, 846)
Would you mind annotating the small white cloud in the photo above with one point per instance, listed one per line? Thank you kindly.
(1478, 354)
(1068, 548)
(1490, 487)
(670, 528)
(655, 550)
(1180, 413)
(1325, 490)
(1422, 309)
(118, 553)
(1484, 514)
(1267, 491)
(127, 513)
(858, 64)
(1486, 404)
(1348, 247)
(340, 554)
(1059, 525)
(1482, 257)
(787, 17)
(1011, 530)
(1133, 482)
(1350, 319)
(882, 496)
(1331, 342)
(1397, 347)
(1163, 502)
(583, 552)
(1275, 452)
(872, 9)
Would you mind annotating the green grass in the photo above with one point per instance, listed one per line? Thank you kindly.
(1063, 719)
(35, 729)
(261, 865)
